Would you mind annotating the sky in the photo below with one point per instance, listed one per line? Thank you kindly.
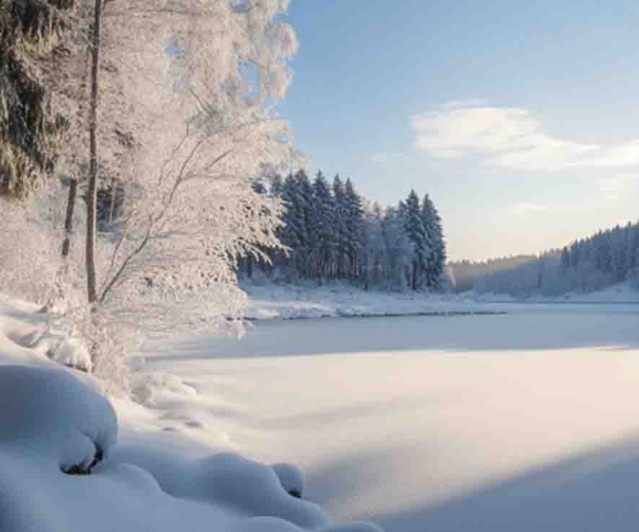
(520, 119)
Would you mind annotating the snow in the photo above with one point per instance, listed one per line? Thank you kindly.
(525, 421)
(54, 421)
(289, 302)
(522, 421)
(618, 293)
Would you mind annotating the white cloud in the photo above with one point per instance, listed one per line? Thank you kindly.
(510, 138)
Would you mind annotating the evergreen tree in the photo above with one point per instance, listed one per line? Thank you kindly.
(276, 186)
(322, 226)
(398, 250)
(416, 232)
(436, 258)
(353, 223)
(565, 260)
(341, 229)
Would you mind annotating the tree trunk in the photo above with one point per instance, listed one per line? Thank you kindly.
(92, 188)
(68, 222)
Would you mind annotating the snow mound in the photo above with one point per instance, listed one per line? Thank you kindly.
(26, 336)
(291, 479)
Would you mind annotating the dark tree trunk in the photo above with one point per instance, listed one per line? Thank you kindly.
(93, 155)
(68, 222)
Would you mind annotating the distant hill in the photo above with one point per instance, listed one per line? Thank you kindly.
(602, 260)
(466, 271)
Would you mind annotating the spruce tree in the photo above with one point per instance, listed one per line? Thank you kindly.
(341, 229)
(354, 220)
(416, 232)
(436, 255)
(322, 226)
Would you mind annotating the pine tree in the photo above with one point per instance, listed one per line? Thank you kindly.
(341, 229)
(416, 232)
(436, 256)
(354, 220)
(323, 214)
(398, 250)
(293, 233)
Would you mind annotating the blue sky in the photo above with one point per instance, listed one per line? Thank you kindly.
(520, 119)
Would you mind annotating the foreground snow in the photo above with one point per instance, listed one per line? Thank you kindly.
(526, 421)
(54, 421)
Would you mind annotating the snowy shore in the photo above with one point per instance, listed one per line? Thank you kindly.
(292, 302)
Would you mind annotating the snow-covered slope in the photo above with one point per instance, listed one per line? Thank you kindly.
(616, 294)
(54, 421)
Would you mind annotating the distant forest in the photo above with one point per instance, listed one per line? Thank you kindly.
(333, 233)
(601, 260)
(465, 271)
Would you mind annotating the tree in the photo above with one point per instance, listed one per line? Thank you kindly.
(353, 221)
(183, 126)
(341, 228)
(398, 249)
(436, 255)
(30, 37)
(416, 231)
(226, 135)
(323, 214)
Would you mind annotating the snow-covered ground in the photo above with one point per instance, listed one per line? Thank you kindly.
(527, 421)
(284, 301)
(267, 300)
(619, 293)
(64, 470)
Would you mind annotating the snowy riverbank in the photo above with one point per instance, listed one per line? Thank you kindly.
(269, 301)
(292, 302)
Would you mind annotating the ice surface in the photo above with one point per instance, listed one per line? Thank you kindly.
(525, 421)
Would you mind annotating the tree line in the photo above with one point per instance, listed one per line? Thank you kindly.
(331, 232)
(594, 263)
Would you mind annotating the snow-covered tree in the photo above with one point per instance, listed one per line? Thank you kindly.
(436, 257)
(353, 223)
(399, 250)
(341, 228)
(416, 231)
(323, 214)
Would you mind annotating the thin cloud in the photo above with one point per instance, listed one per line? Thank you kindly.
(387, 157)
(614, 187)
(510, 138)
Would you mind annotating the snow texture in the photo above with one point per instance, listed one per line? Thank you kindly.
(290, 302)
(54, 421)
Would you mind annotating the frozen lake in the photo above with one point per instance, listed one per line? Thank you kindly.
(527, 421)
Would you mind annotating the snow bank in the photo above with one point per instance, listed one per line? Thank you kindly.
(291, 302)
(54, 422)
